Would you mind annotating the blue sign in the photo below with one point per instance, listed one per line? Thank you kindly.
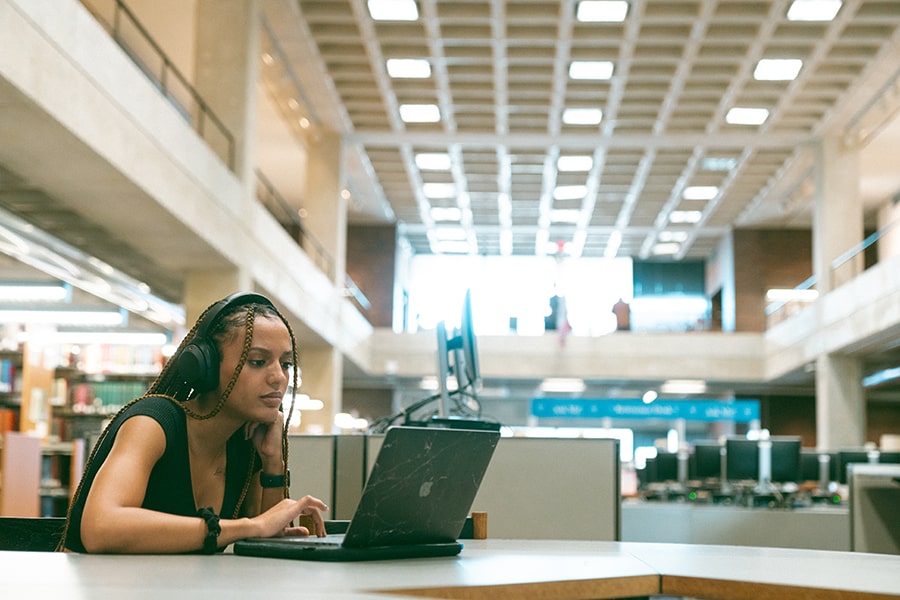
(738, 411)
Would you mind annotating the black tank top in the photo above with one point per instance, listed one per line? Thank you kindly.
(169, 489)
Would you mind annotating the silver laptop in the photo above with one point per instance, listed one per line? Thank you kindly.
(414, 504)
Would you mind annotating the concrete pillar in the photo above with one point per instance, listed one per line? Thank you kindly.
(202, 288)
(840, 402)
(326, 208)
(837, 228)
(227, 71)
(837, 215)
(322, 373)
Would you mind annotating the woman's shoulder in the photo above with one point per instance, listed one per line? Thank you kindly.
(162, 409)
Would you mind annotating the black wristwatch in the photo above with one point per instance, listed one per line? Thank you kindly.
(267, 480)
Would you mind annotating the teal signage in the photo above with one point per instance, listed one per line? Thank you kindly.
(738, 411)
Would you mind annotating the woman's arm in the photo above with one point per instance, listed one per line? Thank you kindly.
(113, 520)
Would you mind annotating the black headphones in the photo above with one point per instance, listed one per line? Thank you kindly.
(198, 362)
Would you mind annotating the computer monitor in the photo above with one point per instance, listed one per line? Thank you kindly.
(786, 459)
(705, 461)
(457, 356)
(741, 459)
(889, 457)
(666, 466)
(847, 456)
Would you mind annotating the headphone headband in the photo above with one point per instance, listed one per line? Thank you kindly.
(235, 299)
(198, 362)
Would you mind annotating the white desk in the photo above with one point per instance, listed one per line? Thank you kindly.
(494, 569)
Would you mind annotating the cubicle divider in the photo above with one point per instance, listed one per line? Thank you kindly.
(874, 499)
(534, 488)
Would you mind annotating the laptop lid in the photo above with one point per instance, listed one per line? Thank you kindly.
(421, 486)
(414, 504)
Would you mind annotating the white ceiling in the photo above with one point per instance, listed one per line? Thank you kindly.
(499, 72)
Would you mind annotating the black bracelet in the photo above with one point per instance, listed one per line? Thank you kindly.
(213, 529)
(274, 481)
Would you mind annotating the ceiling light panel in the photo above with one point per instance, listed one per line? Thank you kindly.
(601, 11)
(408, 68)
(393, 10)
(777, 69)
(591, 69)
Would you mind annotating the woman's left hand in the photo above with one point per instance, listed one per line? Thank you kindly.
(266, 439)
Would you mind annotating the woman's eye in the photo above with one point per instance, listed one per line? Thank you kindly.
(257, 363)
(287, 365)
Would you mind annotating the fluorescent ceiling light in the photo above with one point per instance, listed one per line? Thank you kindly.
(562, 384)
(777, 69)
(673, 236)
(570, 164)
(683, 386)
(602, 11)
(713, 163)
(63, 317)
(34, 292)
(569, 192)
(433, 161)
(565, 215)
(666, 249)
(685, 216)
(439, 190)
(813, 10)
(446, 213)
(746, 116)
(591, 69)
(582, 116)
(452, 247)
(408, 68)
(791, 295)
(393, 10)
(420, 113)
(112, 338)
(700, 192)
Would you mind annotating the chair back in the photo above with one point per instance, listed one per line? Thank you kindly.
(35, 534)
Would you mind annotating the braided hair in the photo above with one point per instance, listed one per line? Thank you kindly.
(168, 384)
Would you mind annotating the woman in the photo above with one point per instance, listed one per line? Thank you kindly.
(201, 459)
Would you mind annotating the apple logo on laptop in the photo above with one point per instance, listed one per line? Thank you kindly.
(425, 489)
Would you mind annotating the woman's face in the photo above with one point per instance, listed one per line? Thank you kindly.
(263, 381)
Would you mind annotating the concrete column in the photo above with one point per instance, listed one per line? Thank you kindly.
(326, 208)
(840, 402)
(202, 288)
(322, 372)
(227, 71)
(838, 214)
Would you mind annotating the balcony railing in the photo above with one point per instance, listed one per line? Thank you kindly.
(143, 50)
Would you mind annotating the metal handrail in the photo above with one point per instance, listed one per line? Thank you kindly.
(842, 259)
(204, 112)
(285, 214)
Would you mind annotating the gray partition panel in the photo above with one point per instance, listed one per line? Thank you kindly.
(874, 502)
(549, 488)
(311, 459)
(349, 475)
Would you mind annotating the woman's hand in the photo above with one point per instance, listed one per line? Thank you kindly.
(278, 519)
(267, 441)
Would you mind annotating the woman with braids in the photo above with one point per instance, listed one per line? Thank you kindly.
(200, 460)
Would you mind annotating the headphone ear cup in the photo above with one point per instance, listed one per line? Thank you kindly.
(198, 365)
